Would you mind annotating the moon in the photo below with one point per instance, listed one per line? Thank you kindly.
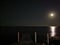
(52, 15)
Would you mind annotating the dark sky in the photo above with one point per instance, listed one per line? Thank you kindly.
(28, 12)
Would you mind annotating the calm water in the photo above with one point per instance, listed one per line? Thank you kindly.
(9, 35)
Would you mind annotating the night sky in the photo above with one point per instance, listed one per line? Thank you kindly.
(28, 12)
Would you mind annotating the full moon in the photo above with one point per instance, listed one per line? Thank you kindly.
(51, 14)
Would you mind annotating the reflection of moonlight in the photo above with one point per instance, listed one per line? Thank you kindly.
(52, 31)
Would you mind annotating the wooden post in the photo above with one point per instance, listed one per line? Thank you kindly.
(47, 38)
(35, 37)
(18, 37)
